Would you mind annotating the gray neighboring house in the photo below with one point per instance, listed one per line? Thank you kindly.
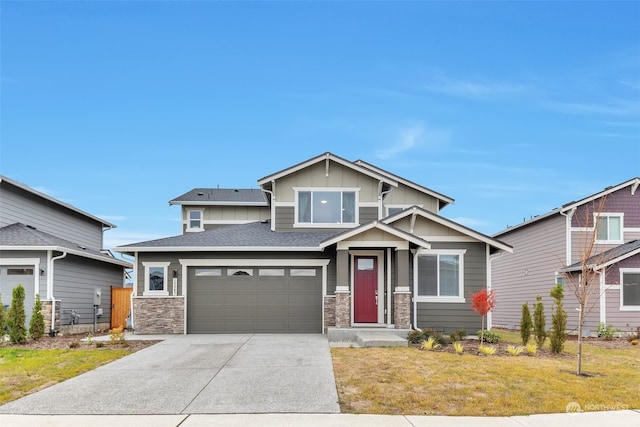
(55, 250)
(326, 243)
(549, 245)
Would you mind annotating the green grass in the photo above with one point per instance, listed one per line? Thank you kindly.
(24, 371)
(410, 381)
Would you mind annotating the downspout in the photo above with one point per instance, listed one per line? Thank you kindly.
(273, 204)
(489, 281)
(603, 299)
(50, 269)
(568, 216)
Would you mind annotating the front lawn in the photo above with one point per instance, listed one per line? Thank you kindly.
(415, 382)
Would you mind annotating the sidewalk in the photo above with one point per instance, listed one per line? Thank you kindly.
(585, 419)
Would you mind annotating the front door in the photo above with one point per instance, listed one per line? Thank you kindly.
(365, 289)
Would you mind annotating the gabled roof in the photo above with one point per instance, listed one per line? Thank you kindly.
(415, 210)
(375, 224)
(327, 157)
(243, 237)
(57, 202)
(634, 183)
(607, 258)
(444, 200)
(20, 237)
(222, 197)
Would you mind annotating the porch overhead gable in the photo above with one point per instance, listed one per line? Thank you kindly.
(375, 233)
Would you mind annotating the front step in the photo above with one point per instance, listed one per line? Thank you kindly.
(380, 339)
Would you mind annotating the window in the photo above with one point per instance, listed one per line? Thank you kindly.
(300, 272)
(439, 276)
(19, 271)
(630, 289)
(609, 228)
(155, 278)
(271, 272)
(239, 271)
(208, 272)
(194, 220)
(326, 207)
(560, 281)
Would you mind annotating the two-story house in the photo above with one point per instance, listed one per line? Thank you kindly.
(324, 243)
(549, 246)
(56, 251)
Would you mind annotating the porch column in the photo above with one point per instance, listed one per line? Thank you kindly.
(343, 292)
(402, 292)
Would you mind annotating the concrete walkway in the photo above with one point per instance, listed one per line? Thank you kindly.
(587, 419)
(200, 374)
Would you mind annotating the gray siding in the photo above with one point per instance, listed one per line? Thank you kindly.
(538, 252)
(219, 216)
(368, 214)
(74, 281)
(453, 316)
(21, 206)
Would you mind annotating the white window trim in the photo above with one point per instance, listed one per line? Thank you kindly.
(147, 291)
(188, 221)
(356, 222)
(627, 307)
(620, 215)
(398, 206)
(446, 299)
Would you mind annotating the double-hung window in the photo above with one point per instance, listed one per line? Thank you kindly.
(630, 289)
(194, 220)
(438, 275)
(155, 278)
(326, 207)
(608, 227)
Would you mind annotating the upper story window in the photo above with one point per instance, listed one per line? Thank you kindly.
(194, 220)
(609, 227)
(155, 278)
(439, 276)
(326, 207)
(630, 289)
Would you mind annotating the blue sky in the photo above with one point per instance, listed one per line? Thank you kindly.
(511, 108)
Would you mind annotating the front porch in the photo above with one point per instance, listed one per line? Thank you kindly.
(367, 337)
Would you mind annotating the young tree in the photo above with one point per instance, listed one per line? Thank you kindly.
(559, 321)
(2, 320)
(583, 277)
(539, 322)
(482, 303)
(16, 317)
(36, 325)
(525, 324)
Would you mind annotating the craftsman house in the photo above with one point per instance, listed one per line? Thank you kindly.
(56, 251)
(326, 243)
(547, 251)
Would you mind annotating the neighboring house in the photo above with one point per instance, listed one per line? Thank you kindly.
(55, 250)
(550, 245)
(324, 243)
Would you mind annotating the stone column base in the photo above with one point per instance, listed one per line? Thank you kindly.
(329, 312)
(402, 310)
(343, 309)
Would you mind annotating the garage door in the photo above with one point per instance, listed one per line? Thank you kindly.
(254, 299)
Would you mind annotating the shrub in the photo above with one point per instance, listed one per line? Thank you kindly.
(490, 336)
(116, 335)
(525, 324)
(74, 344)
(437, 336)
(458, 335)
(539, 322)
(99, 344)
(514, 351)
(559, 321)
(487, 350)
(414, 337)
(430, 344)
(606, 331)
(2, 320)
(532, 348)
(16, 317)
(634, 342)
(458, 347)
(36, 325)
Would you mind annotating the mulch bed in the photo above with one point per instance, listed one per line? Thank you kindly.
(65, 342)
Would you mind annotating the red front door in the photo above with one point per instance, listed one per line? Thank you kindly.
(365, 290)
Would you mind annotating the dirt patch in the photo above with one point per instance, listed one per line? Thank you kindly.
(65, 342)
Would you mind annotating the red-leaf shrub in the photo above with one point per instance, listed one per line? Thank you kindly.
(483, 301)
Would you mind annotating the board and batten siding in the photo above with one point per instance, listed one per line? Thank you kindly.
(75, 279)
(407, 196)
(174, 259)
(453, 316)
(517, 278)
(21, 206)
(217, 216)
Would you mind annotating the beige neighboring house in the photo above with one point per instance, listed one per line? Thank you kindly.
(549, 245)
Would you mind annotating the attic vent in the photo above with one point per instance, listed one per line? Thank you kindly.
(237, 191)
(82, 247)
(200, 193)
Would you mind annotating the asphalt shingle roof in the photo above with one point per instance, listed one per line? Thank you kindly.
(255, 234)
(607, 256)
(222, 196)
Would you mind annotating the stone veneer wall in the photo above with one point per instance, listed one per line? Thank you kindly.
(329, 312)
(402, 310)
(343, 309)
(158, 315)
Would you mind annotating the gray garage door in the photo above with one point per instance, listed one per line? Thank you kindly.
(12, 276)
(254, 299)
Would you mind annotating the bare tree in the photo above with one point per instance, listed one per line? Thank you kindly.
(583, 277)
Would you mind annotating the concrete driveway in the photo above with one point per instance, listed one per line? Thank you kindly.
(201, 374)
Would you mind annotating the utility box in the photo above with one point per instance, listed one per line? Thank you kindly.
(97, 296)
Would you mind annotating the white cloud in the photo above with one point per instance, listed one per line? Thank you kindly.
(472, 89)
(411, 138)
(616, 107)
